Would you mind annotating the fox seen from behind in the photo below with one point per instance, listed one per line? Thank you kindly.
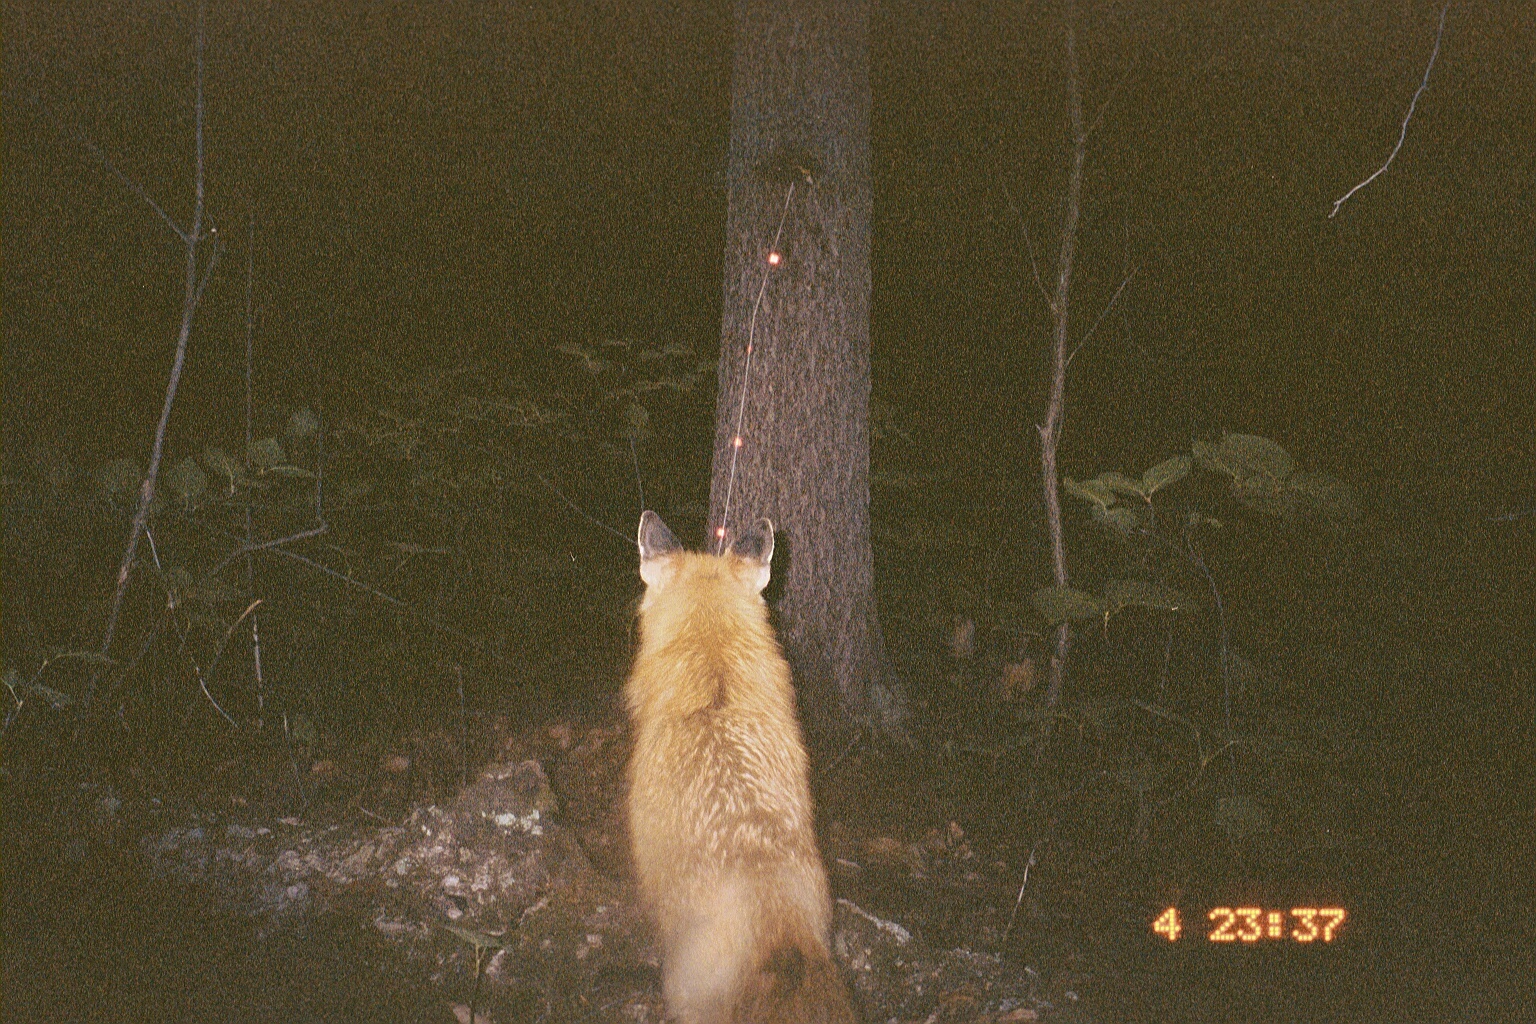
(720, 816)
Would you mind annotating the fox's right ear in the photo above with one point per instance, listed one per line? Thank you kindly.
(755, 545)
(656, 544)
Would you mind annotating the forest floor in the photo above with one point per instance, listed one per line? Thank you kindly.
(211, 894)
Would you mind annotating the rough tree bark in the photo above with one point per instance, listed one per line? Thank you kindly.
(799, 184)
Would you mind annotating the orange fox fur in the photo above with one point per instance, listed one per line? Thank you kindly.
(720, 815)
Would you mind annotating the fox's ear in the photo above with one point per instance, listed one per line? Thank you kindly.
(656, 544)
(756, 545)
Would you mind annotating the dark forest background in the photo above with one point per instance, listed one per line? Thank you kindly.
(451, 180)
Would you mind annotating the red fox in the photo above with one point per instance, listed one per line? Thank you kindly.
(720, 818)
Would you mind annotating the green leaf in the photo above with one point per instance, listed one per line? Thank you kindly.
(53, 467)
(1265, 494)
(1121, 484)
(1058, 604)
(265, 453)
(1120, 594)
(219, 461)
(1121, 519)
(1208, 456)
(1259, 455)
(1169, 471)
(1241, 456)
(291, 472)
(1095, 491)
(302, 423)
(188, 480)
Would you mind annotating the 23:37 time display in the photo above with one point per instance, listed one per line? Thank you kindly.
(1246, 925)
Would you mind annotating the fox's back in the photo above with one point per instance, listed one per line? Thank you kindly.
(718, 775)
(720, 815)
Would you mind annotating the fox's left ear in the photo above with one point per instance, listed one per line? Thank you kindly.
(656, 544)
(756, 545)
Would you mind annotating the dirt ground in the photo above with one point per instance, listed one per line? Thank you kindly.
(148, 898)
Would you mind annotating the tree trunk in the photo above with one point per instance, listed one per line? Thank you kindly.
(794, 354)
(1050, 430)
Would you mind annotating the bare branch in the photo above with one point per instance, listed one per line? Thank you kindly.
(1029, 242)
(475, 642)
(258, 675)
(101, 157)
(1406, 118)
(178, 362)
(320, 462)
(218, 652)
(557, 492)
(1112, 92)
(213, 260)
(1055, 409)
(203, 683)
(250, 548)
(1111, 305)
